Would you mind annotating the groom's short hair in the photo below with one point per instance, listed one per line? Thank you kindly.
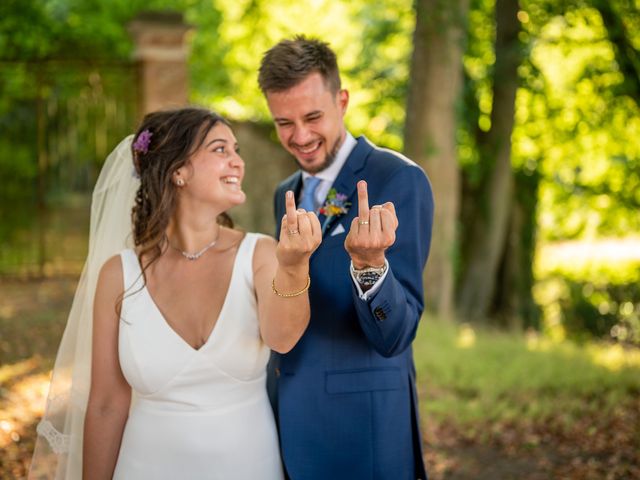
(291, 61)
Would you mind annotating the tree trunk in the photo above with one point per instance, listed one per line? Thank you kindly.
(43, 170)
(627, 56)
(490, 221)
(430, 132)
(513, 304)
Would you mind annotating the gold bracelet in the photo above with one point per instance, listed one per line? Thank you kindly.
(294, 294)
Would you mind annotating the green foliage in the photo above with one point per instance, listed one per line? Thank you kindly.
(591, 290)
(601, 310)
(483, 374)
(583, 135)
(373, 54)
(55, 128)
(576, 141)
(247, 29)
(574, 125)
(208, 77)
(90, 30)
(67, 98)
(382, 67)
(591, 298)
(374, 45)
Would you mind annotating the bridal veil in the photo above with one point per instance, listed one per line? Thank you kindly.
(58, 449)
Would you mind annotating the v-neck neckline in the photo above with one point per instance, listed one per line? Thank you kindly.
(214, 328)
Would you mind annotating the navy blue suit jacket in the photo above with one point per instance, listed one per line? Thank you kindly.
(346, 398)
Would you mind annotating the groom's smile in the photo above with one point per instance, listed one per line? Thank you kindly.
(307, 151)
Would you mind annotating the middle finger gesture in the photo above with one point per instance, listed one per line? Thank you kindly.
(300, 234)
(371, 232)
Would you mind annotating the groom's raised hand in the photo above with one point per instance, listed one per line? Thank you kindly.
(371, 232)
(300, 234)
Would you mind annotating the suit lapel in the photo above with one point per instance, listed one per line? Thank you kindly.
(295, 184)
(348, 177)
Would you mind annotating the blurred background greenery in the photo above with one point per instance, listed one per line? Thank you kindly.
(69, 94)
(524, 113)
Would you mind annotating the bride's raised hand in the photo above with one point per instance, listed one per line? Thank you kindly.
(300, 235)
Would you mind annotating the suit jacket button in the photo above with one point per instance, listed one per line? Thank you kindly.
(379, 313)
(277, 371)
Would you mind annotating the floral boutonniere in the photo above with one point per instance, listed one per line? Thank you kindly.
(335, 205)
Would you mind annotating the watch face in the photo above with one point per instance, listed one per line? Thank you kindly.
(368, 278)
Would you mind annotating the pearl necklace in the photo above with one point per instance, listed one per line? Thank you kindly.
(197, 255)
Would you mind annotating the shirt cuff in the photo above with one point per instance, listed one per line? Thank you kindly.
(369, 294)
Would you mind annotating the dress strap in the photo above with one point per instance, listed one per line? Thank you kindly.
(131, 271)
(245, 255)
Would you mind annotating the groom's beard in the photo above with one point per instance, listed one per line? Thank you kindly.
(329, 159)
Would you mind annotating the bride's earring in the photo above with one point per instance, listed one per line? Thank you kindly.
(180, 182)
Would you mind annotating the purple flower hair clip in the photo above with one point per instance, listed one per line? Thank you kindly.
(141, 145)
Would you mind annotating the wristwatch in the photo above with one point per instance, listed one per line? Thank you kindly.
(368, 276)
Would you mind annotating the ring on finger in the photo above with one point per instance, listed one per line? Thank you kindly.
(293, 231)
(363, 222)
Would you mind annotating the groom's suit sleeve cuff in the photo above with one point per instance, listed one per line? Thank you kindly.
(369, 294)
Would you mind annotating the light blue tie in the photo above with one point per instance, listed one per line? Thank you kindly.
(308, 201)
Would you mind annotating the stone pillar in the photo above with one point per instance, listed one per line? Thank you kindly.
(161, 57)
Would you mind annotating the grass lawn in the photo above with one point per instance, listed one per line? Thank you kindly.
(508, 405)
(494, 405)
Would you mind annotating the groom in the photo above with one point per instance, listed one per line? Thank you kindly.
(346, 395)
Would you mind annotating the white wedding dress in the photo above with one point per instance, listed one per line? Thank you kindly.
(196, 414)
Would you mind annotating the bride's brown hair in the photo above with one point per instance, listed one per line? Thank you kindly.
(164, 143)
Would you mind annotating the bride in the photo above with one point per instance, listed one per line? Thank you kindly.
(178, 332)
